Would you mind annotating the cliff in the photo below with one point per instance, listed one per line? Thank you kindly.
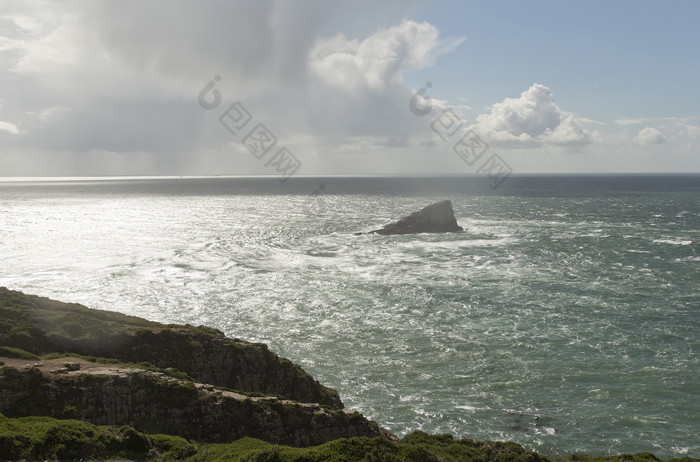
(40, 325)
(155, 402)
(188, 381)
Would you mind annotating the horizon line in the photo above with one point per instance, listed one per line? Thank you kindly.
(10, 179)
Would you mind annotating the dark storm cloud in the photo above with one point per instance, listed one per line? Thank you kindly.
(108, 77)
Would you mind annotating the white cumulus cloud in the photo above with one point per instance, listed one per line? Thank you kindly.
(648, 136)
(356, 86)
(379, 60)
(530, 120)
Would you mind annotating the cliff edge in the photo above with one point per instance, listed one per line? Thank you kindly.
(40, 325)
(157, 402)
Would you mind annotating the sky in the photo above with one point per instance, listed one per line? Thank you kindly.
(314, 87)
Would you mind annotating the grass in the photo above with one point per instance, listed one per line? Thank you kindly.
(38, 325)
(92, 359)
(39, 438)
(33, 438)
(16, 353)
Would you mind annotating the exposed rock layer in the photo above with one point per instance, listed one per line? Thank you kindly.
(156, 403)
(217, 360)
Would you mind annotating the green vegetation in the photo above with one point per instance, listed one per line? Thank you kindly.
(41, 325)
(39, 438)
(91, 359)
(10, 352)
(35, 438)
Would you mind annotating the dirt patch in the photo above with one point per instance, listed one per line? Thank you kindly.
(68, 365)
(71, 366)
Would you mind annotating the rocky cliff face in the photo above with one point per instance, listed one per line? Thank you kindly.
(41, 325)
(156, 403)
(210, 357)
(275, 400)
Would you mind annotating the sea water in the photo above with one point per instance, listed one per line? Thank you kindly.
(566, 316)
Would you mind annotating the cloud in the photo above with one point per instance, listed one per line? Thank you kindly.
(624, 121)
(53, 114)
(88, 77)
(9, 127)
(100, 87)
(95, 77)
(372, 64)
(356, 86)
(531, 120)
(682, 133)
(585, 120)
(648, 136)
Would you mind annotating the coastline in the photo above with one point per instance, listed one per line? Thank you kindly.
(86, 374)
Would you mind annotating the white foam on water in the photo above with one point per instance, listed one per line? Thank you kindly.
(672, 241)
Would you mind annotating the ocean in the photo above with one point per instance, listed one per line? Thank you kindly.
(566, 317)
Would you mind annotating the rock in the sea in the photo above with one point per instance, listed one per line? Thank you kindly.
(435, 218)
